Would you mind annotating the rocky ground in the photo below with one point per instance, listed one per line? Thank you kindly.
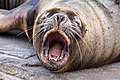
(18, 62)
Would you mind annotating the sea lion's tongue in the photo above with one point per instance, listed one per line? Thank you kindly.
(55, 51)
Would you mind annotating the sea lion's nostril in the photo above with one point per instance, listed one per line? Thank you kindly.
(60, 18)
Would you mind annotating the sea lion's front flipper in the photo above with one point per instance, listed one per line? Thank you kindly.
(18, 17)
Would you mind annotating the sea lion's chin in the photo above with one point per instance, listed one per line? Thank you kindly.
(55, 51)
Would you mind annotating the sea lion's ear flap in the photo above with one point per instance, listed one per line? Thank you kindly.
(84, 26)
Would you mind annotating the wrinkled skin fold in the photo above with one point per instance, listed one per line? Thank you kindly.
(68, 34)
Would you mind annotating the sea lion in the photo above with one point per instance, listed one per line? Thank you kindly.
(17, 14)
(77, 34)
(69, 34)
(10, 4)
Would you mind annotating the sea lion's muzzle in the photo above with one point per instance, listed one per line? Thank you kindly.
(55, 46)
(55, 52)
(58, 32)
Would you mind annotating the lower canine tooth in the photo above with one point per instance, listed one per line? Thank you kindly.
(63, 54)
(55, 59)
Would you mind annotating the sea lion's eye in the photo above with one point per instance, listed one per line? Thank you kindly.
(52, 12)
(71, 15)
(76, 22)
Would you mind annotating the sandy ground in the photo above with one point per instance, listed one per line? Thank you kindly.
(18, 62)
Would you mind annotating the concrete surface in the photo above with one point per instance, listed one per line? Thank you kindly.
(18, 62)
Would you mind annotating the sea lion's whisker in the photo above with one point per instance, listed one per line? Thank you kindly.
(23, 32)
(76, 28)
(75, 33)
(20, 33)
(43, 24)
(67, 33)
(42, 29)
(36, 35)
(77, 44)
(31, 37)
(82, 40)
(37, 32)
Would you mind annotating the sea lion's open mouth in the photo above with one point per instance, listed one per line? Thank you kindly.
(55, 51)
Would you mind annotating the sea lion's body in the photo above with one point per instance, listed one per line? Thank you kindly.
(88, 30)
(100, 41)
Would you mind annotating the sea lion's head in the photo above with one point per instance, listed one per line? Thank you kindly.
(57, 34)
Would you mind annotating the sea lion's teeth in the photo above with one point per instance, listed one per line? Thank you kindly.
(55, 59)
(62, 55)
(46, 54)
(63, 52)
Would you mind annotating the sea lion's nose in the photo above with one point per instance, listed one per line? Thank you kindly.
(60, 18)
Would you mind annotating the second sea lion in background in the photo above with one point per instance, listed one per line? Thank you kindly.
(21, 17)
(10, 4)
